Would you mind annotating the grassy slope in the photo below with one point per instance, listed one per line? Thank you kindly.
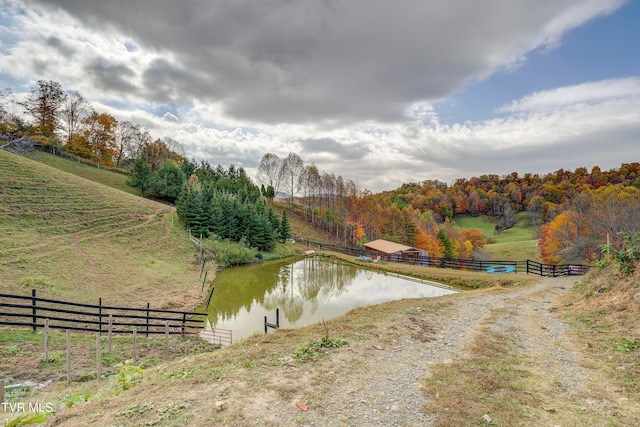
(518, 243)
(72, 238)
(102, 176)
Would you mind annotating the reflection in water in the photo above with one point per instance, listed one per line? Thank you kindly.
(306, 291)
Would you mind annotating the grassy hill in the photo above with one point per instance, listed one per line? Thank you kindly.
(517, 243)
(72, 238)
(102, 176)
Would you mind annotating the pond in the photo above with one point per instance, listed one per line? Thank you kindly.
(305, 291)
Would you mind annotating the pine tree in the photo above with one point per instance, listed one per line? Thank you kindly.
(274, 220)
(285, 228)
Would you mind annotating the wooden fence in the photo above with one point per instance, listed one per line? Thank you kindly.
(528, 266)
(31, 311)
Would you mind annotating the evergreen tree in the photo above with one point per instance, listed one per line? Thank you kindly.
(285, 228)
(139, 175)
(167, 181)
(202, 218)
(446, 243)
(183, 201)
(273, 220)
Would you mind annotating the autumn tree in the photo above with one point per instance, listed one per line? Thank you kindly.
(44, 104)
(97, 139)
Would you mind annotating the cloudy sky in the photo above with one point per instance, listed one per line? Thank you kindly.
(379, 92)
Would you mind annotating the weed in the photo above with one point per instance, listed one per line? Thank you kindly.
(108, 359)
(137, 409)
(172, 375)
(624, 345)
(54, 357)
(317, 348)
(628, 257)
(128, 377)
(26, 419)
(74, 399)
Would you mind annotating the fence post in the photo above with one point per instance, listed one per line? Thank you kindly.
(33, 303)
(110, 330)
(204, 280)
(46, 340)
(98, 357)
(133, 348)
(166, 339)
(278, 318)
(68, 355)
(184, 321)
(100, 315)
(2, 392)
(147, 326)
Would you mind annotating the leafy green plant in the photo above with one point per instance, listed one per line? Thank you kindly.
(74, 399)
(317, 348)
(172, 375)
(128, 377)
(54, 357)
(26, 419)
(628, 257)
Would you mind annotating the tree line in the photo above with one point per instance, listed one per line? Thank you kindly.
(337, 206)
(60, 120)
(573, 210)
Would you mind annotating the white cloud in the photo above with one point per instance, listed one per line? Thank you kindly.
(586, 93)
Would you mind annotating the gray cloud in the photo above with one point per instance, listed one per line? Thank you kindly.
(111, 76)
(334, 61)
(328, 147)
(60, 46)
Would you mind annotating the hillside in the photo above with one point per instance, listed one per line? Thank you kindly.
(72, 238)
(517, 243)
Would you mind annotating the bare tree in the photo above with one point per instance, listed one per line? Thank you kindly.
(75, 108)
(129, 138)
(290, 172)
(269, 171)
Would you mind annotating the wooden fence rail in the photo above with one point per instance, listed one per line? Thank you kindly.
(31, 311)
(528, 266)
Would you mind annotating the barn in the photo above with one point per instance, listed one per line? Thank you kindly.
(384, 250)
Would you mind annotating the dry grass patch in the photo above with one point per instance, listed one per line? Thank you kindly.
(604, 308)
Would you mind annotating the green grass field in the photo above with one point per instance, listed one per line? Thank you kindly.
(102, 176)
(72, 238)
(517, 243)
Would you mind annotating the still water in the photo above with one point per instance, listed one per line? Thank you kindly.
(306, 291)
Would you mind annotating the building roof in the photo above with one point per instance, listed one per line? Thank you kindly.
(389, 247)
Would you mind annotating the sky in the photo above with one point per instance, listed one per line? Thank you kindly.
(381, 93)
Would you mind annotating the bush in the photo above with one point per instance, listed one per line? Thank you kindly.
(628, 257)
(229, 253)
